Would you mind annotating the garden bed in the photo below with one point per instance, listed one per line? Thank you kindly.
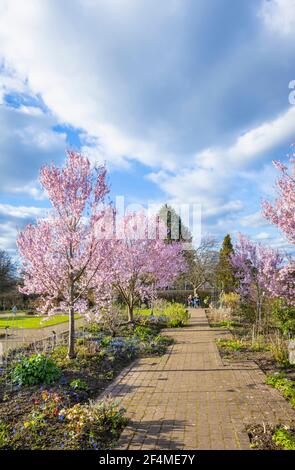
(235, 344)
(61, 414)
(265, 437)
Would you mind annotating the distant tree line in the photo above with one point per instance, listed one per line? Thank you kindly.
(9, 293)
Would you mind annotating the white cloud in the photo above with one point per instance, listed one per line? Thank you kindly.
(20, 212)
(26, 142)
(218, 173)
(10, 82)
(141, 81)
(254, 220)
(279, 16)
(8, 234)
(71, 68)
(252, 145)
(262, 236)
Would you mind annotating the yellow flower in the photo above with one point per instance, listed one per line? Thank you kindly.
(27, 424)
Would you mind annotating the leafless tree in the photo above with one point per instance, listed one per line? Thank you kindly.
(202, 266)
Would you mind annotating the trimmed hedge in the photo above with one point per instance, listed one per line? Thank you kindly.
(180, 296)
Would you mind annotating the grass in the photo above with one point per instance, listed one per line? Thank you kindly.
(23, 321)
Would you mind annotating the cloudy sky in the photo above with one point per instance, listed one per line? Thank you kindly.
(185, 100)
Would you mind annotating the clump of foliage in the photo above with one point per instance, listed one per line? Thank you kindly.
(284, 438)
(177, 315)
(284, 316)
(232, 344)
(279, 350)
(227, 324)
(86, 423)
(35, 369)
(230, 300)
(286, 386)
(4, 435)
(143, 332)
(79, 384)
(259, 344)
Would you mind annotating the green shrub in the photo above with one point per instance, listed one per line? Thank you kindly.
(282, 437)
(177, 314)
(35, 369)
(284, 316)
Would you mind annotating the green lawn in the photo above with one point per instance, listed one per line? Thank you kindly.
(24, 321)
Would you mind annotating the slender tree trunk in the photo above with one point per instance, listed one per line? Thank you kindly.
(71, 344)
(130, 313)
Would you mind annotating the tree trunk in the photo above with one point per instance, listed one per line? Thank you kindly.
(130, 313)
(71, 344)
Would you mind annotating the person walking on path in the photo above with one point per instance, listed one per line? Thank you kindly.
(190, 301)
(196, 301)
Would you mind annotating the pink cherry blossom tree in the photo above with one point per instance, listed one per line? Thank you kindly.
(257, 268)
(282, 214)
(143, 260)
(62, 255)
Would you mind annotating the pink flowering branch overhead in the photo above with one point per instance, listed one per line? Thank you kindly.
(282, 212)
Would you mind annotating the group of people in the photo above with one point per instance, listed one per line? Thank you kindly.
(193, 301)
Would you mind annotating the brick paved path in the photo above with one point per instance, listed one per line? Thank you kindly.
(188, 399)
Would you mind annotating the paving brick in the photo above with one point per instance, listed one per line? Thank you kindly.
(189, 399)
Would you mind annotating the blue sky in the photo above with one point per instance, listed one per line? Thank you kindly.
(185, 100)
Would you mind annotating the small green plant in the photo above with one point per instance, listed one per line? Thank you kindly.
(108, 375)
(79, 384)
(233, 344)
(283, 438)
(4, 435)
(106, 340)
(143, 332)
(280, 382)
(227, 324)
(35, 369)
